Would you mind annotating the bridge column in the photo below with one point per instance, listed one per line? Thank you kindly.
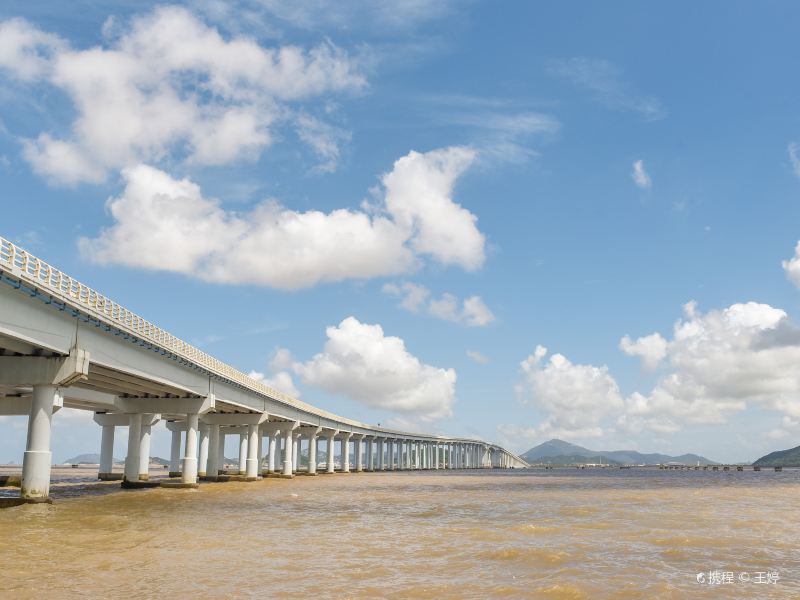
(221, 451)
(260, 450)
(38, 458)
(312, 433)
(106, 452)
(346, 452)
(409, 449)
(243, 454)
(203, 462)
(391, 454)
(381, 463)
(132, 458)
(288, 434)
(273, 448)
(252, 460)
(212, 465)
(174, 451)
(189, 462)
(359, 448)
(331, 434)
(368, 453)
(144, 448)
(296, 453)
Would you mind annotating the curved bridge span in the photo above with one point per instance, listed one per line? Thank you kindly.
(64, 344)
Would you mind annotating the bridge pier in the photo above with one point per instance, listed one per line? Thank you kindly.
(296, 452)
(242, 454)
(144, 446)
(131, 473)
(109, 422)
(189, 461)
(345, 452)
(289, 428)
(359, 450)
(38, 458)
(175, 448)
(212, 464)
(106, 451)
(252, 460)
(202, 463)
(331, 435)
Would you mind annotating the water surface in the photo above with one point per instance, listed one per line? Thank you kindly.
(469, 534)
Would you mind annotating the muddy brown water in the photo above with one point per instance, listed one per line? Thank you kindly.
(491, 534)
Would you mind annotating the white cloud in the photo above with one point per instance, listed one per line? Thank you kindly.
(471, 311)
(324, 139)
(640, 176)
(478, 357)
(360, 362)
(418, 196)
(651, 349)
(719, 362)
(794, 158)
(279, 376)
(167, 224)
(26, 51)
(606, 83)
(412, 295)
(574, 398)
(167, 85)
(792, 266)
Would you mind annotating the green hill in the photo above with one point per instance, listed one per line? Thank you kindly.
(560, 448)
(781, 458)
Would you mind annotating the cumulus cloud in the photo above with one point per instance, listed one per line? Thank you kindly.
(472, 311)
(792, 266)
(361, 362)
(574, 398)
(651, 349)
(168, 84)
(640, 176)
(279, 376)
(719, 362)
(167, 224)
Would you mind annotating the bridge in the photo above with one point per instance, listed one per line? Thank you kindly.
(63, 344)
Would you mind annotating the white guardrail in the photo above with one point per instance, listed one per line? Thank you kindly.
(22, 264)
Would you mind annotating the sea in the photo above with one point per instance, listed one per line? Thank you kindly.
(532, 533)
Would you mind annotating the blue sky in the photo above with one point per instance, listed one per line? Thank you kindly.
(273, 181)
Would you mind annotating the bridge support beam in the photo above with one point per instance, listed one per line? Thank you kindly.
(38, 458)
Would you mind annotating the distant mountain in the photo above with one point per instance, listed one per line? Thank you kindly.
(544, 453)
(781, 458)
